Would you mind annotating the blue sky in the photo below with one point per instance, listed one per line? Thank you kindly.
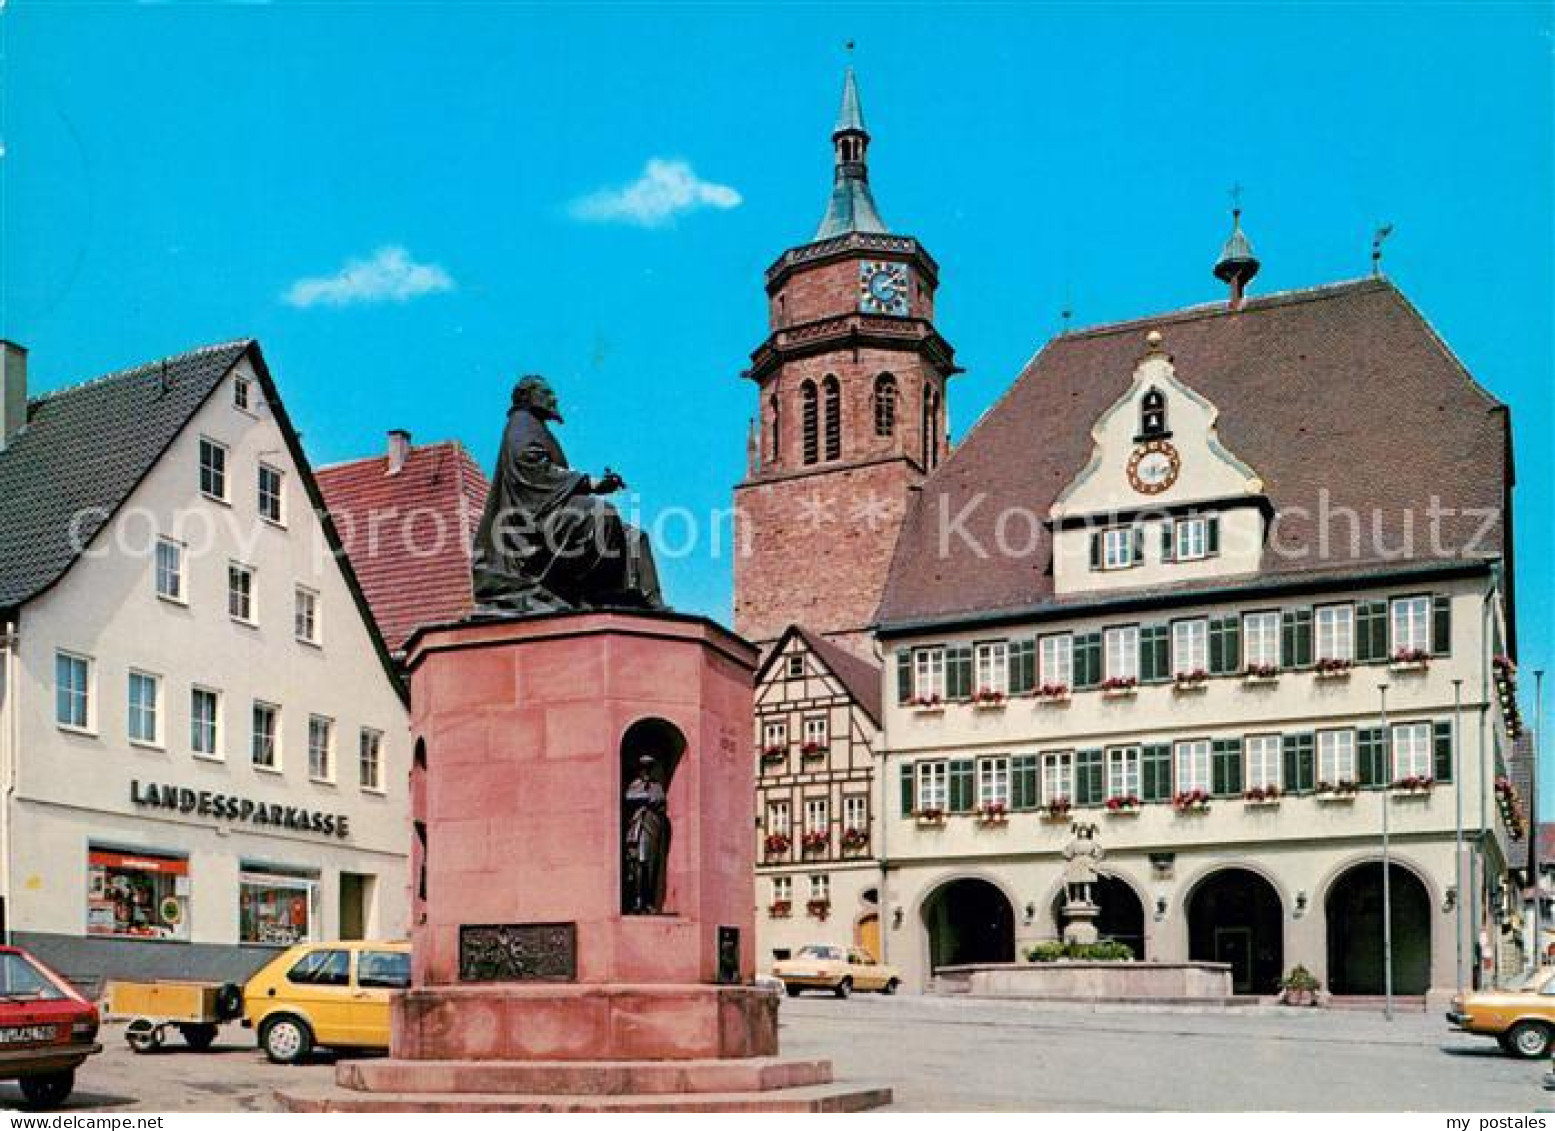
(174, 174)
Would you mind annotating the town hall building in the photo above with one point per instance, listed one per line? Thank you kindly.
(1230, 583)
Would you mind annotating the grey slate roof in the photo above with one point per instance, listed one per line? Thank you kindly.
(81, 453)
(851, 208)
(851, 115)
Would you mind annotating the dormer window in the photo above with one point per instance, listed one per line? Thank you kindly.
(1152, 415)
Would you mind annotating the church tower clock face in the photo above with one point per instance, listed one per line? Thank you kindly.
(883, 288)
(1153, 467)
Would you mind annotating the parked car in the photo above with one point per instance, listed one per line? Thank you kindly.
(840, 969)
(47, 1028)
(330, 994)
(1521, 1018)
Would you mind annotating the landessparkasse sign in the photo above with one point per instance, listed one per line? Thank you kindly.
(243, 810)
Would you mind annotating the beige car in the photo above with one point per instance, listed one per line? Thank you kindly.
(840, 969)
(1521, 1017)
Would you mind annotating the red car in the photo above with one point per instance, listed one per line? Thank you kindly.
(46, 1029)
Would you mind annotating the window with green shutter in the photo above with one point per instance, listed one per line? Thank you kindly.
(1087, 660)
(1300, 763)
(1371, 631)
(1225, 645)
(1441, 625)
(958, 671)
(908, 799)
(1090, 787)
(1155, 653)
(1023, 782)
(1212, 535)
(1371, 756)
(1155, 772)
(1443, 754)
(962, 790)
(1023, 666)
(1225, 767)
(904, 676)
(1296, 638)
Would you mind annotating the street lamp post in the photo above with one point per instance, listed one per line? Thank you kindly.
(1387, 882)
(1533, 816)
(1457, 791)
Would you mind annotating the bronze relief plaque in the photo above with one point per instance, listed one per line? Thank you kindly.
(519, 952)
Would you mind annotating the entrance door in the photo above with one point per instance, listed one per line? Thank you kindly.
(354, 893)
(1234, 945)
(868, 935)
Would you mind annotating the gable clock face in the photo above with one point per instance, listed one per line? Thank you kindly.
(882, 288)
(1153, 467)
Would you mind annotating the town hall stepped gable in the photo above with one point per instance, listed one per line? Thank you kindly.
(1343, 389)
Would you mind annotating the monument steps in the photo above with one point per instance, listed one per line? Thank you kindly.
(571, 1078)
(836, 1098)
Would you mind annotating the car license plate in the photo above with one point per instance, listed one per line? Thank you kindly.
(27, 1034)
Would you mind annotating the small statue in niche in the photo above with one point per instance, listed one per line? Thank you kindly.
(647, 840)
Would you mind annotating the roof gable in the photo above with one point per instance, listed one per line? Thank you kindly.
(858, 677)
(1338, 397)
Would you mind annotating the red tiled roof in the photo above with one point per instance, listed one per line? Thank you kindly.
(408, 535)
(1341, 393)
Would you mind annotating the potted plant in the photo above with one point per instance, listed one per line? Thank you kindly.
(1053, 693)
(992, 813)
(1191, 801)
(1057, 809)
(854, 839)
(926, 703)
(780, 909)
(988, 697)
(1260, 673)
(818, 909)
(1116, 686)
(1195, 680)
(1122, 805)
(1345, 789)
(1333, 667)
(933, 815)
(776, 844)
(1411, 660)
(814, 841)
(1262, 795)
(812, 751)
(1299, 987)
(1414, 785)
(774, 756)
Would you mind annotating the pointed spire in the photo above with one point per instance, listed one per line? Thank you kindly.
(851, 207)
(1237, 264)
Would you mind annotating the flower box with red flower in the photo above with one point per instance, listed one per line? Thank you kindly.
(813, 751)
(1125, 806)
(1333, 667)
(1195, 680)
(926, 704)
(774, 756)
(814, 842)
(993, 813)
(1119, 686)
(780, 910)
(818, 908)
(930, 817)
(854, 839)
(1057, 809)
(1261, 674)
(1191, 801)
(1410, 660)
(1345, 790)
(776, 844)
(1413, 785)
(1261, 795)
(988, 699)
(1053, 694)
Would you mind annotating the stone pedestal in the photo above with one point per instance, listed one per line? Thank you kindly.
(1080, 922)
(531, 989)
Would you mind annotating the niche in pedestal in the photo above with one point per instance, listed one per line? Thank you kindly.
(651, 750)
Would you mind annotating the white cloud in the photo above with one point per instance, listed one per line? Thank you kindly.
(390, 275)
(666, 189)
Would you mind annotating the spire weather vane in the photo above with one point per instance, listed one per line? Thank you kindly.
(1382, 233)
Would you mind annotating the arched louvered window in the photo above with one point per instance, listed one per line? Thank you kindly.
(810, 422)
(885, 405)
(775, 410)
(833, 393)
(1152, 414)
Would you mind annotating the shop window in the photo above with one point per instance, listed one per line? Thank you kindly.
(137, 896)
(275, 910)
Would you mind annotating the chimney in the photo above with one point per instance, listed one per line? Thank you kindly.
(13, 390)
(399, 450)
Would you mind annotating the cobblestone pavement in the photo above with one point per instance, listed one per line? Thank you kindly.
(957, 1054)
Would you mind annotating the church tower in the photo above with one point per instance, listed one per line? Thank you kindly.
(851, 382)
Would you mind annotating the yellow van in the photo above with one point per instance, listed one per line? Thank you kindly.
(334, 994)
